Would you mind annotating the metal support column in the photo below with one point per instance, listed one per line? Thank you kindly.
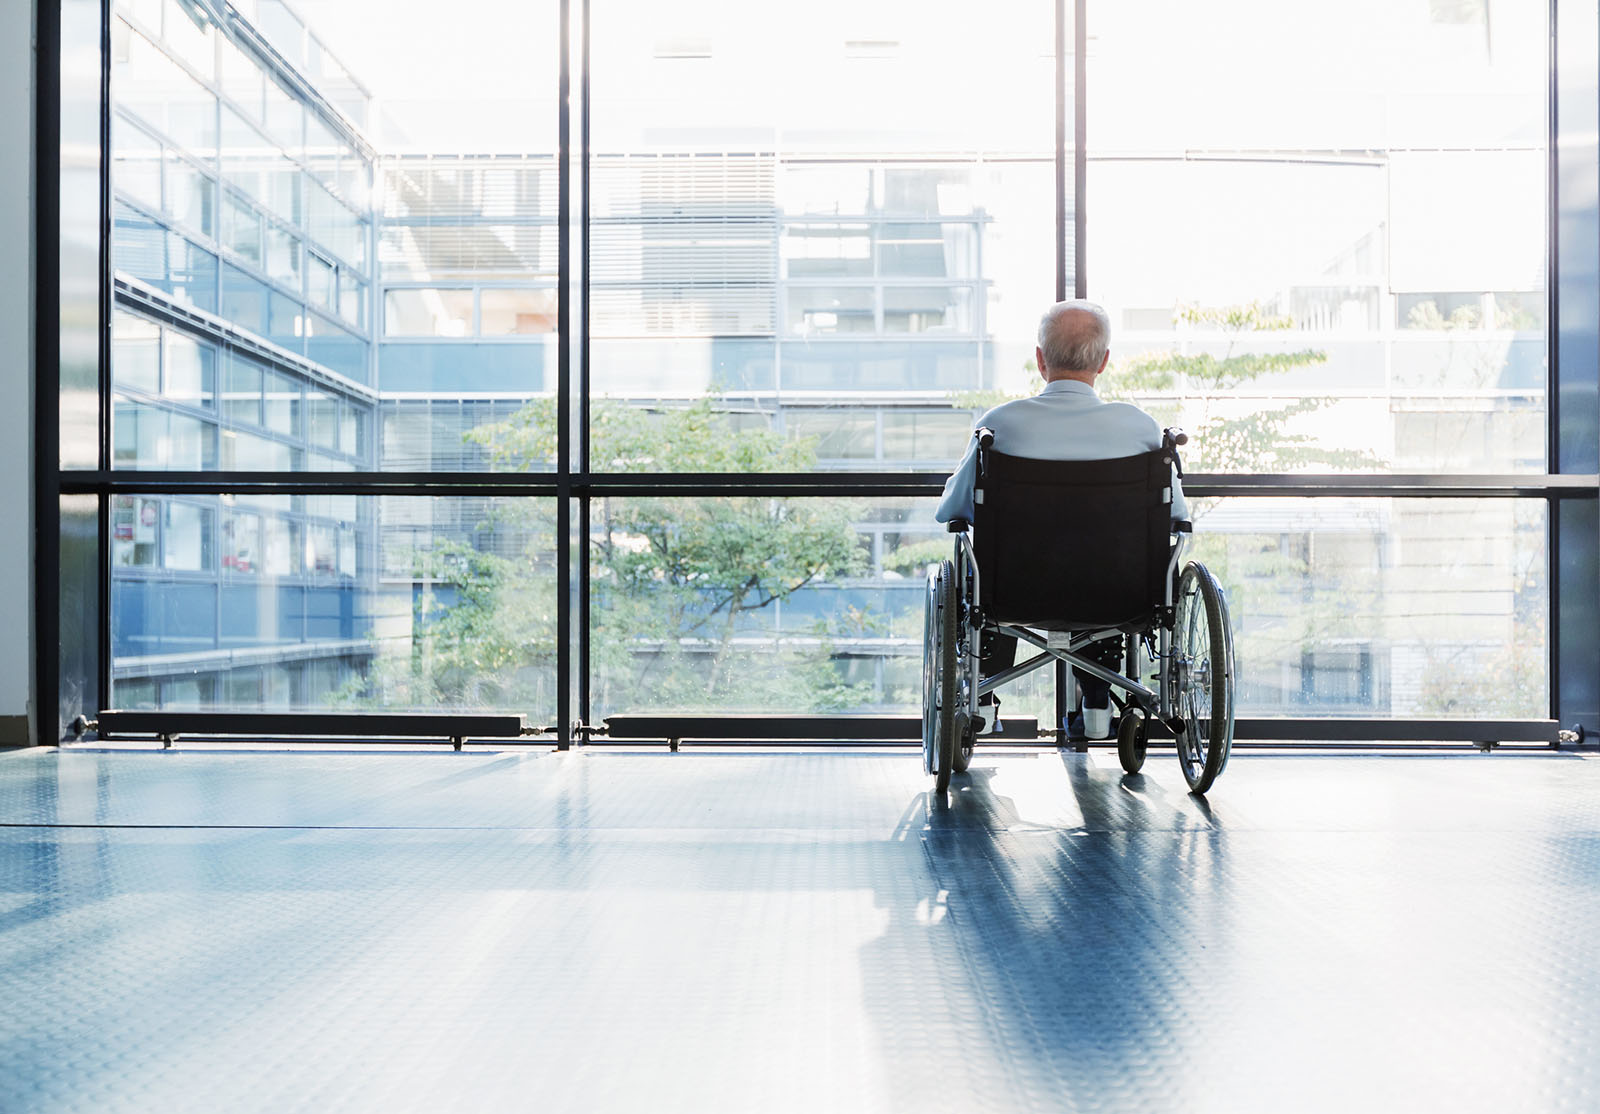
(1574, 387)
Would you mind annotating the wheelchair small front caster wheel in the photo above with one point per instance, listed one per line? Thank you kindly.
(964, 743)
(1132, 739)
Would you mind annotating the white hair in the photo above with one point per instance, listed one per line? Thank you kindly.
(1075, 346)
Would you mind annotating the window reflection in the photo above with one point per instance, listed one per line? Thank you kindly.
(1386, 221)
(837, 282)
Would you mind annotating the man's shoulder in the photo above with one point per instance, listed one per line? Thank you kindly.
(1134, 417)
(1011, 406)
(1037, 413)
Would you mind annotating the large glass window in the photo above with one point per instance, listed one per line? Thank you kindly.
(751, 604)
(240, 195)
(1330, 258)
(1383, 607)
(814, 244)
(884, 237)
(360, 602)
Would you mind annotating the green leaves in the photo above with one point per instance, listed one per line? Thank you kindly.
(682, 588)
(1192, 384)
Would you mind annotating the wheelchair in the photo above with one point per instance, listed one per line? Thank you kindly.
(1063, 554)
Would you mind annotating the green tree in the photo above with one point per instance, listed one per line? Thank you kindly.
(676, 582)
(1197, 389)
(1228, 436)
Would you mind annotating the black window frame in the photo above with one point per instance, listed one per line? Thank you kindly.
(72, 668)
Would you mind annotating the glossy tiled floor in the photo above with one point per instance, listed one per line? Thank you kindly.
(795, 932)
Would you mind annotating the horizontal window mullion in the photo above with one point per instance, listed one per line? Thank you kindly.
(311, 483)
(1279, 485)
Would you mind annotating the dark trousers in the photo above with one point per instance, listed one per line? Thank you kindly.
(999, 651)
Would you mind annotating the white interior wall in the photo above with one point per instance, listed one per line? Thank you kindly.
(16, 368)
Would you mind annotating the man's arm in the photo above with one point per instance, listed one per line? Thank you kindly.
(957, 499)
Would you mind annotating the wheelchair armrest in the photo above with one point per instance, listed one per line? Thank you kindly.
(957, 526)
(1182, 526)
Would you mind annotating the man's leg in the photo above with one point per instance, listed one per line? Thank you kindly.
(1096, 692)
(996, 651)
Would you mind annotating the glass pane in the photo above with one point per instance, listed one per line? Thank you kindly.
(283, 405)
(517, 312)
(927, 309)
(191, 370)
(136, 163)
(245, 300)
(925, 438)
(283, 257)
(174, 266)
(322, 419)
(188, 34)
(1347, 274)
(826, 251)
(320, 282)
(1383, 607)
(243, 81)
(241, 231)
(782, 605)
(247, 452)
(186, 537)
(261, 284)
(427, 313)
(277, 215)
(191, 197)
(167, 415)
(352, 300)
(136, 353)
(241, 392)
(838, 437)
(741, 243)
(156, 90)
(1354, 607)
(134, 531)
(344, 603)
(832, 309)
(145, 436)
(927, 250)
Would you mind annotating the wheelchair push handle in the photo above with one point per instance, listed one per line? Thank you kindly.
(985, 437)
(1172, 437)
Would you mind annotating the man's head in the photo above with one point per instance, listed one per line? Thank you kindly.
(1074, 341)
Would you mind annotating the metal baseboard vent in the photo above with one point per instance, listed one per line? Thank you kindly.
(781, 728)
(169, 727)
(1025, 729)
(1392, 730)
(315, 726)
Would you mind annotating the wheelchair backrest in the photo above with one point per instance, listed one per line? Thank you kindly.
(1073, 544)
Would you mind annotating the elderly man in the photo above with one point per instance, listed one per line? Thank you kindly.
(1065, 421)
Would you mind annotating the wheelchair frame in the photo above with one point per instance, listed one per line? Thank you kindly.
(1184, 677)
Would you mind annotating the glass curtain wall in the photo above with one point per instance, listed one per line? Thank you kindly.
(329, 259)
(818, 235)
(818, 243)
(1322, 242)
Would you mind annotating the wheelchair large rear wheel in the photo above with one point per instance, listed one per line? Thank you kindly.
(1202, 672)
(941, 724)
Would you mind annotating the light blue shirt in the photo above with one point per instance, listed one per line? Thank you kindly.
(1065, 421)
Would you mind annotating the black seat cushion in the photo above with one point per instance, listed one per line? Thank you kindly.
(1073, 545)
